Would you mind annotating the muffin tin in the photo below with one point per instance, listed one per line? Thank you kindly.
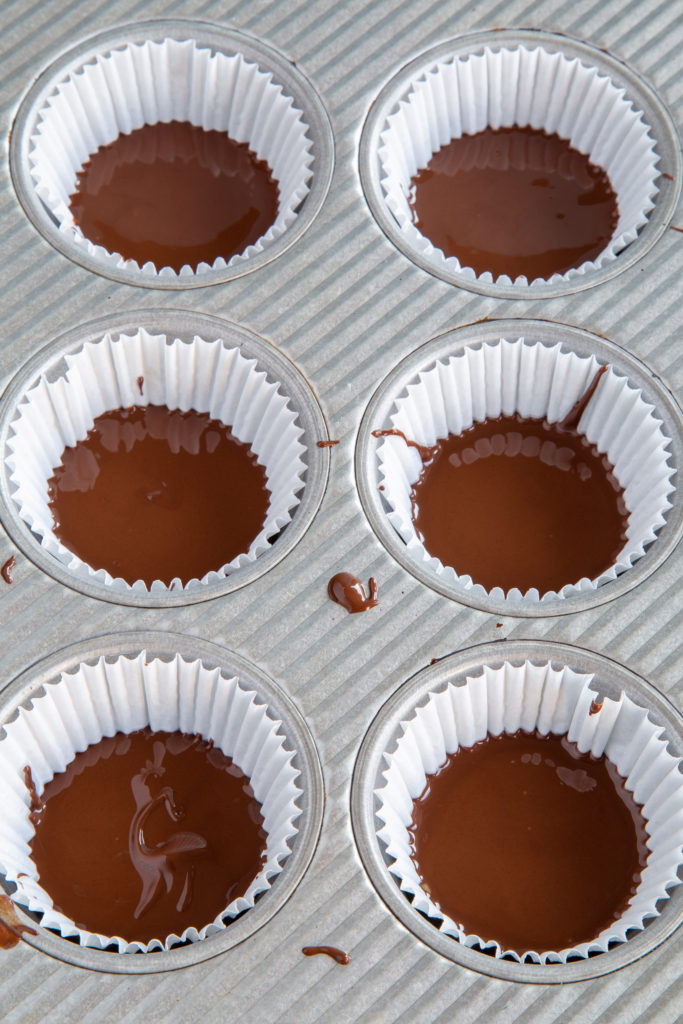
(345, 308)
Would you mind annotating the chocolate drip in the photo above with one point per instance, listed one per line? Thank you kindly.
(573, 417)
(348, 591)
(7, 570)
(174, 194)
(425, 452)
(11, 928)
(514, 201)
(524, 840)
(326, 444)
(156, 494)
(36, 804)
(146, 834)
(337, 954)
(140, 382)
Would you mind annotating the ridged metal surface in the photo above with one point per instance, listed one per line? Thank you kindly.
(345, 306)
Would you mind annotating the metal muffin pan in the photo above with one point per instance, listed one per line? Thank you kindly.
(638, 92)
(571, 339)
(50, 363)
(610, 680)
(218, 40)
(297, 738)
(345, 307)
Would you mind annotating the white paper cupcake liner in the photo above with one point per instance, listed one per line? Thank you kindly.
(536, 381)
(173, 80)
(206, 376)
(124, 695)
(501, 88)
(551, 700)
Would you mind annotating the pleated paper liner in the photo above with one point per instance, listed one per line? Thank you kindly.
(540, 381)
(551, 699)
(124, 694)
(162, 71)
(501, 88)
(208, 376)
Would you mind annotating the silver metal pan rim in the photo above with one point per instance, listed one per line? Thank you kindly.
(611, 679)
(644, 99)
(573, 339)
(219, 39)
(184, 325)
(298, 737)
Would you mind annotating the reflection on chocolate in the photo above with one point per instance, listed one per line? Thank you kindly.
(7, 571)
(146, 834)
(514, 201)
(524, 840)
(337, 954)
(11, 928)
(174, 194)
(153, 494)
(348, 591)
(516, 502)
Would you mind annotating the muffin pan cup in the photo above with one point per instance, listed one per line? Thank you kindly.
(170, 70)
(477, 387)
(607, 680)
(187, 361)
(529, 78)
(121, 683)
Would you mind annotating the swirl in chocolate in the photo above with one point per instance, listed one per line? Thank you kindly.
(146, 834)
(348, 591)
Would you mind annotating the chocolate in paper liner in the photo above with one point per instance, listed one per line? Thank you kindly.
(206, 376)
(501, 88)
(548, 699)
(119, 91)
(536, 381)
(125, 695)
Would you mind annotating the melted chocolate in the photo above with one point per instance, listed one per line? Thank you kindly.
(147, 834)
(424, 451)
(174, 194)
(348, 591)
(524, 840)
(7, 570)
(11, 928)
(153, 494)
(336, 954)
(140, 383)
(326, 444)
(514, 201)
(516, 502)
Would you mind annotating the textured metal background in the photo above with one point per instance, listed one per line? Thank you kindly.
(345, 306)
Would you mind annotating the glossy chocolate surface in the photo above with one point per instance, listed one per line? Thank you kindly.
(154, 494)
(523, 840)
(174, 194)
(146, 834)
(514, 201)
(516, 502)
(347, 590)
